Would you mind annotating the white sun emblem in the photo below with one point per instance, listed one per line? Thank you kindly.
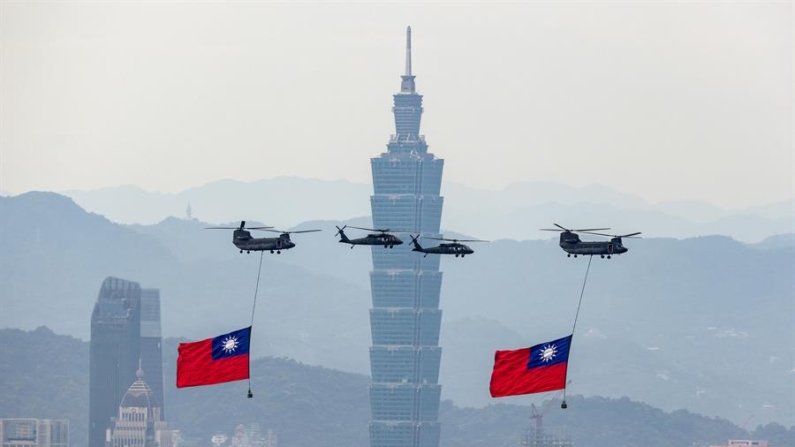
(230, 344)
(548, 353)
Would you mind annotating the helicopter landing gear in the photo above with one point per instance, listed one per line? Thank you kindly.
(278, 252)
(575, 256)
(391, 247)
(271, 251)
(241, 251)
(456, 256)
(248, 251)
(608, 256)
(568, 255)
(603, 256)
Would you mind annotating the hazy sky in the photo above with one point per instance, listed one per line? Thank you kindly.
(667, 100)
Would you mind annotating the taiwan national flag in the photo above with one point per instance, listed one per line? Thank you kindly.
(531, 370)
(216, 360)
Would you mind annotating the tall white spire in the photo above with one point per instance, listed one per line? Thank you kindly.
(407, 85)
(408, 51)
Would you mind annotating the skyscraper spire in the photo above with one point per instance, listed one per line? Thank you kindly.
(408, 51)
(407, 85)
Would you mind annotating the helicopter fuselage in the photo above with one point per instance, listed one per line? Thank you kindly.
(445, 249)
(243, 240)
(571, 244)
(387, 240)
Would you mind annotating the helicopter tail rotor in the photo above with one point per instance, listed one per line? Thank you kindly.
(340, 230)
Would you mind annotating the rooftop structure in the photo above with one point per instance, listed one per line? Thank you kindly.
(139, 422)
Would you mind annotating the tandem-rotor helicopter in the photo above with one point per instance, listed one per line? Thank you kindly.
(382, 237)
(570, 242)
(242, 239)
(456, 248)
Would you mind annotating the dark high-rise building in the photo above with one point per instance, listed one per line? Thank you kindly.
(115, 349)
(405, 318)
(151, 350)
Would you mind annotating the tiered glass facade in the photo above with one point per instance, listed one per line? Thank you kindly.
(405, 318)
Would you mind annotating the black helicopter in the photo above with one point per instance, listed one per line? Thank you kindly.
(455, 248)
(243, 240)
(570, 242)
(382, 237)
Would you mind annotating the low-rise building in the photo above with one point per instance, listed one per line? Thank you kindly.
(25, 432)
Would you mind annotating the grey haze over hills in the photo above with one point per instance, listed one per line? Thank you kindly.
(702, 323)
(515, 212)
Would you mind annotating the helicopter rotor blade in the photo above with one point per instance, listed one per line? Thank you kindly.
(614, 235)
(455, 240)
(580, 230)
(599, 234)
(291, 232)
(242, 226)
(372, 229)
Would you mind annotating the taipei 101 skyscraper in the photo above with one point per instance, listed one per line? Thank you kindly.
(405, 318)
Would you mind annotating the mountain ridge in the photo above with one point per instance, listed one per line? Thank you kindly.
(470, 210)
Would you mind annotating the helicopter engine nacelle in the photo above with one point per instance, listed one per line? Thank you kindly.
(569, 237)
(241, 235)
